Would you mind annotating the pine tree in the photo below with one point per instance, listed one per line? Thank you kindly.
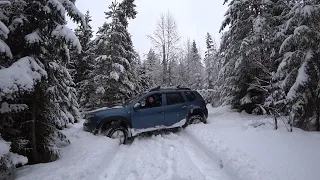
(196, 68)
(83, 63)
(113, 76)
(247, 49)
(210, 62)
(153, 69)
(298, 73)
(39, 43)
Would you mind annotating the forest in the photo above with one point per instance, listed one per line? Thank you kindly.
(267, 62)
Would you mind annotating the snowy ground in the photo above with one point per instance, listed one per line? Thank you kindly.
(230, 147)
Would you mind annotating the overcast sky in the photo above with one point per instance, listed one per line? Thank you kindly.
(194, 18)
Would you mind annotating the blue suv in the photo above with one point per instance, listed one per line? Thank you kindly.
(157, 109)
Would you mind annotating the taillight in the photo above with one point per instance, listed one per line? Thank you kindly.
(205, 102)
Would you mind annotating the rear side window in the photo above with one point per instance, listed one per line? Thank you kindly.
(174, 98)
(190, 95)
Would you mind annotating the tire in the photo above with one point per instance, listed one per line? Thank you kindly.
(195, 119)
(117, 132)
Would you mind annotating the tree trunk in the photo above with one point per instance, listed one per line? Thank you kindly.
(275, 121)
(164, 64)
(33, 129)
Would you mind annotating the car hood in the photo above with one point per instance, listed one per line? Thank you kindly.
(116, 110)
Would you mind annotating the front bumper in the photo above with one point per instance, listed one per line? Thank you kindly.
(89, 126)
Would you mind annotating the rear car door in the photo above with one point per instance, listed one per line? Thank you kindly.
(149, 117)
(176, 109)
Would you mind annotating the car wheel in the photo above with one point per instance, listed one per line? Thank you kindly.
(117, 132)
(195, 119)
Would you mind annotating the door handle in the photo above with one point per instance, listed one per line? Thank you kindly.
(184, 107)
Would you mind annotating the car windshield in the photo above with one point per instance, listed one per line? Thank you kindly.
(130, 101)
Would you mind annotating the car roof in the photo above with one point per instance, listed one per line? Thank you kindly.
(167, 89)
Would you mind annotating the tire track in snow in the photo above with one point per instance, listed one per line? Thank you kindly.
(209, 165)
(163, 157)
(212, 155)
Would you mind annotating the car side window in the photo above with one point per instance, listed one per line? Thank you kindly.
(174, 98)
(190, 95)
(151, 101)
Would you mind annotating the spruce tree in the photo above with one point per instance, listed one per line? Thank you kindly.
(83, 63)
(211, 65)
(247, 47)
(114, 77)
(196, 68)
(298, 73)
(39, 43)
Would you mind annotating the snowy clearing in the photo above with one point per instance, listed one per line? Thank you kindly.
(231, 146)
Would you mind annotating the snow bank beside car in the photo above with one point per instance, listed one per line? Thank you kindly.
(82, 159)
(252, 150)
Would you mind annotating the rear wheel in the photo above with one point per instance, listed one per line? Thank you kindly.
(117, 132)
(195, 119)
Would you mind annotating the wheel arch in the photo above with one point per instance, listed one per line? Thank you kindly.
(123, 121)
(196, 111)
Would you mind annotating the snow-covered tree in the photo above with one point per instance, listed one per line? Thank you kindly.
(298, 73)
(211, 63)
(246, 47)
(195, 70)
(82, 64)
(38, 96)
(114, 77)
(152, 67)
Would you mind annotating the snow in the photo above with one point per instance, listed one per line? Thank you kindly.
(33, 37)
(134, 132)
(300, 80)
(18, 159)
(258, 24)
(58, 6)
(4, 147)
(307, 10)
(231, 146)
(249, 146)
(15, 158)
(4, 48)
(63, 32)
(82, 159)
(73, 11)
(4, 31)
(5, 2)
(114, 75)
(21, 75)
(6, 107)
(118, 67)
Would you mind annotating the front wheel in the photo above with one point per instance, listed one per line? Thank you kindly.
(117, 132)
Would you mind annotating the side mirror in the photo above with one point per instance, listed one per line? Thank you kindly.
(136, 106)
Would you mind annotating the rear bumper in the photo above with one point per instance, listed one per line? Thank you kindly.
(206, 112)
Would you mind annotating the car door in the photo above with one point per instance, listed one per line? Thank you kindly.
(149, 117)
(176, 109)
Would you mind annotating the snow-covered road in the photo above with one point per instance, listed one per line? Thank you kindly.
(232, 146)
(163, 157)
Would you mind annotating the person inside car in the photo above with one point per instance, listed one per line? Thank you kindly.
(150, 102)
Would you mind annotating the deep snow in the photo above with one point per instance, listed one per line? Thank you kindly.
(230, 147)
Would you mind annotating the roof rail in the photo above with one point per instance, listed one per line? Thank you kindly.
(168, 88)
(185, 88)
(155, 89)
